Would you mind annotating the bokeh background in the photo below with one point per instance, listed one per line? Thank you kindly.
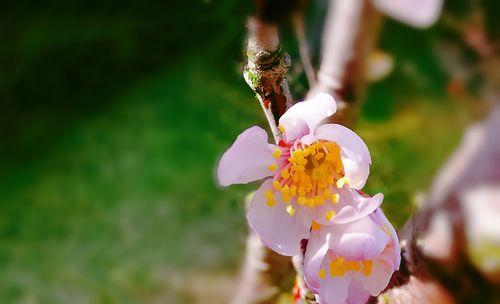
(113, 115)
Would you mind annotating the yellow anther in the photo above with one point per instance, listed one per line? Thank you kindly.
(311, 172)
(269, 194)
(318, 200)
(335, 198)
(296, 178)
(302, 161)
(315, 226)
(310, 202)
(342, 181)
(322, 273)
(277, 153)
(273, 167)
(285, 189)
(329, 215)
(301, 191)
(285, 174)
(281, 128)
(270, 202)
(290, 210)
(300, 168)
(276, 185)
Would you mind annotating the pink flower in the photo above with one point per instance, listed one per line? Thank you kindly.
(311, 176)
(348, 263)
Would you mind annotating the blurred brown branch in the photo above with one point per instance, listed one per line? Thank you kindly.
(436, 241)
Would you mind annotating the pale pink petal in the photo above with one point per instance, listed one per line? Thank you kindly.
(393, 252)
(357, 294)
(356, 171)
(418, 13)
(317, 247)
(378, 279)
(304, 117)
(351, 207)
(359, 240)
(333, 290)
(275, 227)
(247, 159)
(354, 152)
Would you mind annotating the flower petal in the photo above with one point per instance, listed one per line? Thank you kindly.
(247, 159)
(317, 247)
(418, 13)
(357, 294)
(354, 152)
(359, 240)
(275, 227)
(351, 207)
(392, 254)
(378, 279)
(305, 116)
(333, 290)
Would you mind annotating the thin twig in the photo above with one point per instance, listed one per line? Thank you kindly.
(266, 71)
(305, 55)
(265, 271)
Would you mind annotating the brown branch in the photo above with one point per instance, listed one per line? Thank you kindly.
(265, 273)
(265, 71)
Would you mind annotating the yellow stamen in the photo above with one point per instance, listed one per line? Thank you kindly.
(309, 176)
(310, 202)
(290, 210)
(319, 200)
(271, 202)
(276, 185)
(277, 153)
(335, 198)
(281, 128)
(341, 182)
(329, 215)
(269, 194)
(272, 167)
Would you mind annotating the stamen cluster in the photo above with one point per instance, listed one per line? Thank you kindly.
(307, 174)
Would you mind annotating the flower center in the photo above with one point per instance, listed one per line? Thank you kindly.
(308, 173)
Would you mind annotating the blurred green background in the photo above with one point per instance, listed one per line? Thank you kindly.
(113, 116)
